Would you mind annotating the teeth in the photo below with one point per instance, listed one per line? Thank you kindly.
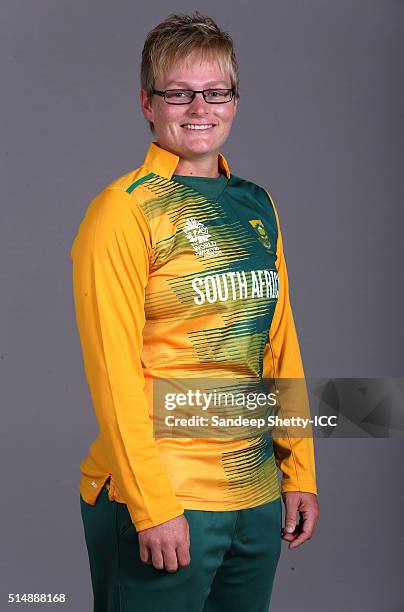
(190, 126)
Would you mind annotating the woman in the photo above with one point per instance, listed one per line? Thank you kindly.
(178, 273)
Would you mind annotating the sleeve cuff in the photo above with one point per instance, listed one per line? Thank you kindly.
(146, 523)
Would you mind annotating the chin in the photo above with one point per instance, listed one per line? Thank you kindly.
(201, 147)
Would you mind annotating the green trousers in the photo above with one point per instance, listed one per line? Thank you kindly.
(234, 555)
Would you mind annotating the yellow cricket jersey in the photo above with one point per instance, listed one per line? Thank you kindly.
(172, 283)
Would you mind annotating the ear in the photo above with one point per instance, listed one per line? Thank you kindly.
(235, 105)
(146, 105)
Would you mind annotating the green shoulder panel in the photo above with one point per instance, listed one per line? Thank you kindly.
(140, 181)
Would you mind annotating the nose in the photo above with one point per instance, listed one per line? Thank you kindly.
(198, 104)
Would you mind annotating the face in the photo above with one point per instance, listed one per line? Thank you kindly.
(169, 119)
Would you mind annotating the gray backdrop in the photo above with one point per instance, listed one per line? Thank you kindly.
(319, 125)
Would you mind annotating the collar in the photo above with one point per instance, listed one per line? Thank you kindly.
(163, 162)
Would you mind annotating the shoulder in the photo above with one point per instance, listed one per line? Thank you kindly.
(118, 197)
(118, 194)
(114, 215)
(125, 181)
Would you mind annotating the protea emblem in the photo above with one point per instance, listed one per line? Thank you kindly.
(262, 233)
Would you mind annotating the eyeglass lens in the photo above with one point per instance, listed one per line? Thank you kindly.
(185, 96)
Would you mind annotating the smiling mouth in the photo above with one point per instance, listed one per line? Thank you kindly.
(198, 126)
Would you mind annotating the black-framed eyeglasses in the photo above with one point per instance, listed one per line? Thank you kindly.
(185, 96)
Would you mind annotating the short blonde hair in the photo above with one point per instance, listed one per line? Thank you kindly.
(178, 37)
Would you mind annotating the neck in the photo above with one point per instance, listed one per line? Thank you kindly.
(198, 167)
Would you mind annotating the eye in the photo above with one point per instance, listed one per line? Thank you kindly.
(219, 95)
(178, 93)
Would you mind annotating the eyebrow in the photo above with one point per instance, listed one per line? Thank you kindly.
(188, 86)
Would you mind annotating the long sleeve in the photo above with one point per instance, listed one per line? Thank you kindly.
(110, 256)
(282, 359)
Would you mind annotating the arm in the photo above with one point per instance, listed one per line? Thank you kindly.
(110, 271)
(282, 360)
(294, 455)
